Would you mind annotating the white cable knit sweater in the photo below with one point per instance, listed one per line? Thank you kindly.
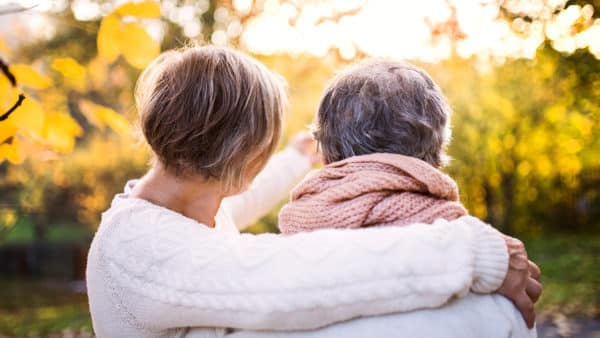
(154, 273)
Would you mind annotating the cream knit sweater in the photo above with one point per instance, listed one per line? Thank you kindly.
(155, 273)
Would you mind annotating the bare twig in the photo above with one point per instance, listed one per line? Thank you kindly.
(9, 111)
(7, 73)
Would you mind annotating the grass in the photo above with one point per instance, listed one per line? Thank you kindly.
(570, 273)
(571, 281)
(31, 308)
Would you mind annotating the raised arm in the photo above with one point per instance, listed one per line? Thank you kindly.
(283, 171)
(188, 275)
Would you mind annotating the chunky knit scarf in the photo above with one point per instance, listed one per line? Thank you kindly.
(376, 189)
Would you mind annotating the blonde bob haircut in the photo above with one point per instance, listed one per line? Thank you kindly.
(211, 111)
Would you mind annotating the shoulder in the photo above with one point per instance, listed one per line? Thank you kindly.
(141, 240)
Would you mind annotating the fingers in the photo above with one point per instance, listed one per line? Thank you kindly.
(535, 271)
(525, 306)
(517, 254)
(533, 290)
(306, 145)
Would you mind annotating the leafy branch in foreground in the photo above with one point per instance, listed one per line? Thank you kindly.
(13, 81)
(7, 73)
(11, 109)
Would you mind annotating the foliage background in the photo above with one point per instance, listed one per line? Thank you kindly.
(525, 149)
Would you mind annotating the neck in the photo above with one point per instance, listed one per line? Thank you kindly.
(194, 197)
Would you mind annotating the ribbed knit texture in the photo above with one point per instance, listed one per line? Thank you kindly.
(376, 189)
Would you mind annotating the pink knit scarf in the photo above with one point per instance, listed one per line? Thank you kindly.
(376, 189)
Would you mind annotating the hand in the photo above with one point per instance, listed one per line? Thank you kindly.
(306, 145)
(522, 282)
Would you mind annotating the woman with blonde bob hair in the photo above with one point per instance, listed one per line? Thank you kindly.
(168, 255)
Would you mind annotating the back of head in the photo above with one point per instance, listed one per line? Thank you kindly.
(211, 111)
(383, 107)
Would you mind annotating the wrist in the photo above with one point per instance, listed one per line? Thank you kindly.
(299, 163)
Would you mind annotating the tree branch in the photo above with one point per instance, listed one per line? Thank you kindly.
(7, 73)
(9, 111)
(11, 9)
(337, 16)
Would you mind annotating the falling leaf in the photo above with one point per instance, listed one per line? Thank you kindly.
(27, 76)
(146, 9)
(108, 38)
(73, 72)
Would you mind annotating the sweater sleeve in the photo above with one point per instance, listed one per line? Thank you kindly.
(283, 171)
(170, 273)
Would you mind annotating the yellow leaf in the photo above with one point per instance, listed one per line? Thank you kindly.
(60, 131)
(7, 130)
(97, 72)
(145, 9)
(137, 45)
(101, 116)
(108, 38)
(8, 94)
(117, 122)
(29, 117)
(12, 152)
(29, 77)
(73, 72)
(129, 39)
(89, 110)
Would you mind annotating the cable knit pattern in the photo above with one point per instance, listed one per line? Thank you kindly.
(155, 273)
(376, 189)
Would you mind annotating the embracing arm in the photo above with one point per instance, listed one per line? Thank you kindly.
(195, 276)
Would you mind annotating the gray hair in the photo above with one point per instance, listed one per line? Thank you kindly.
(383, 107)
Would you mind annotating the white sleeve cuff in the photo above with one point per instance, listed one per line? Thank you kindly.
(491, 257)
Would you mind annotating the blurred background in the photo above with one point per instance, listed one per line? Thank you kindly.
(523, 78)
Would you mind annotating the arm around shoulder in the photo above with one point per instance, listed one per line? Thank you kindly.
(195, 276)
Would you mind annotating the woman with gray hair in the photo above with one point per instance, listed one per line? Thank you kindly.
(168, 255)
(382, 127)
